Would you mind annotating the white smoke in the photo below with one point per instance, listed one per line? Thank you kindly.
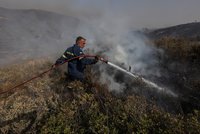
(108, 32)
(120, 44)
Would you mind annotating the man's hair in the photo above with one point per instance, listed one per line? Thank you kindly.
(79, 38)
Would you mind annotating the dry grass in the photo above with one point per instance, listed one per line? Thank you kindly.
(33, 96)
(52, 105)
(19, 73)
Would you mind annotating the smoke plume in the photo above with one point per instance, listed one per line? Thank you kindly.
(35, 33)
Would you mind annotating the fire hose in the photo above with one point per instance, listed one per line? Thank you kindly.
(39, 75)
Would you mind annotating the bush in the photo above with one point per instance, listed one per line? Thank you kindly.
(180, 48)
(85, 108)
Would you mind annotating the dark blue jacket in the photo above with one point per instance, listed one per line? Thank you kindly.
(75, 67)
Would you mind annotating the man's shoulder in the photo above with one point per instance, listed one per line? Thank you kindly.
(75, 49)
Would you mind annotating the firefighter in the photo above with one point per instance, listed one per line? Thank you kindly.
(76, 67)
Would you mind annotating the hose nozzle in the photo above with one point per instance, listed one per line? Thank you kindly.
(104, 60)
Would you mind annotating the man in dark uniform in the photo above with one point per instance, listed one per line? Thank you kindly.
(76, 67)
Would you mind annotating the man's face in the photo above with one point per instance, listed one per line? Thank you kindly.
(81, 43)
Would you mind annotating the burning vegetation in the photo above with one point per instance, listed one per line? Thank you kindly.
(54, 104)
(180, 67)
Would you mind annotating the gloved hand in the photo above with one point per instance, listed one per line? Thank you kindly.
(97, 58)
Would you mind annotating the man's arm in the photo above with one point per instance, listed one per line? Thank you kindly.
(85, 61)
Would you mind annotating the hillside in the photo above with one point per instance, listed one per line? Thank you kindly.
(32, 33)
(52, 105)
(189, 30)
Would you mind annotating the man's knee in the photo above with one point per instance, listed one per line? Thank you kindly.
(78, 78)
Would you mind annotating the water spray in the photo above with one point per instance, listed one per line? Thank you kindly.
(135, 76)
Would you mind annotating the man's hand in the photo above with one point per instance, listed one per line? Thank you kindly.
(53, 66)
(97, 58)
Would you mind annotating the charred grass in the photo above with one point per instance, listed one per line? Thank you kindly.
(54, 104)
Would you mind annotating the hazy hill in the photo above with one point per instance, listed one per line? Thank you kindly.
(190, 30)
(32, 33)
